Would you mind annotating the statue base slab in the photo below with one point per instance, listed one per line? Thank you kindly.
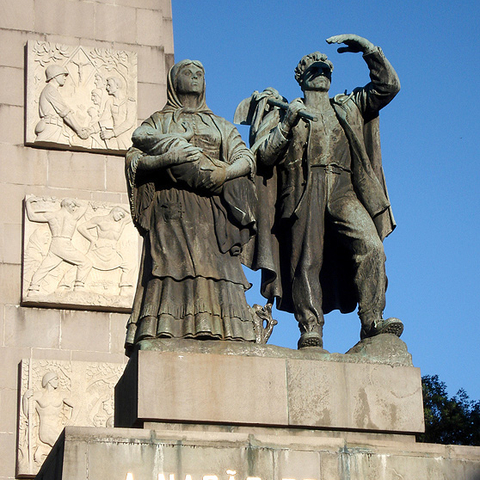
(242, 384)
(199, 452)
(233, 411)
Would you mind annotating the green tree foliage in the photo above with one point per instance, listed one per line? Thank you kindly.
(454, 421)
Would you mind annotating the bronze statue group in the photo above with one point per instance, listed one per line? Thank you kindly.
(307, 205)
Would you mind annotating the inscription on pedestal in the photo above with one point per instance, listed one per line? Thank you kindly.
(229, 475)
(81, 98)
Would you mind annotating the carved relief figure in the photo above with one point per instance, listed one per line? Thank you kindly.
(53, 110)
(99, 82)
(190, 183)
(55, 394)
(331, 211)
(102, 379)
(103, 232)
(94, 113)
(102, 413)
(49, 405)
(62, 223)
(119, 115)
(98, 94)
(79, 253)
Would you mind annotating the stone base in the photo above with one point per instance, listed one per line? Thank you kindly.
(256, 385)
(234, 411)
(238, 453)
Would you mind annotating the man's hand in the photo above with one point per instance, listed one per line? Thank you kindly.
(106, 134)
(84, 133)
(291, 117)
(354, 43)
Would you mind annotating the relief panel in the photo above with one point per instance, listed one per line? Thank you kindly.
(80, 98)
(79, 253)
(55, 394)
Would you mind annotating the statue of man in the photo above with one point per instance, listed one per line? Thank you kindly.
(323, 177)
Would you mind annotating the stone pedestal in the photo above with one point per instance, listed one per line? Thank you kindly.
(230, 411)
(184, 452)
(252, 385)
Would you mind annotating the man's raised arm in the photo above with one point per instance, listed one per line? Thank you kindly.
(384, 84)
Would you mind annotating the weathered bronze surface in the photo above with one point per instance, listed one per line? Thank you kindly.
(192, 198)
(324, 207)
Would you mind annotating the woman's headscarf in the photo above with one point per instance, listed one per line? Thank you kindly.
(173, 102)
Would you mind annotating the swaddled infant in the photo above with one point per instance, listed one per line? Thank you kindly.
(193, 173)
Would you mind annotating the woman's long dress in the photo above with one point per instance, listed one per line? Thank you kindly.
(192, 286)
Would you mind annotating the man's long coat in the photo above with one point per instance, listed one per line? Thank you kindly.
(282, 183)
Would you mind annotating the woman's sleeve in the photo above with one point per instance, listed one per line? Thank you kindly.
(235, 148)
(148, 135)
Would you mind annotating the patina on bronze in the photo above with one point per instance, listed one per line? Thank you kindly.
(192, 195)
(324, 208)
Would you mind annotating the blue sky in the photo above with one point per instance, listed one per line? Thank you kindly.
(429, 145)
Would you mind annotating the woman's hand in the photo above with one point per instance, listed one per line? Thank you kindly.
(215, 180)
(188, 133)
(182, 154)
(175, 156)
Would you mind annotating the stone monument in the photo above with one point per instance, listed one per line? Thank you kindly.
(72, 72)
(202, 397)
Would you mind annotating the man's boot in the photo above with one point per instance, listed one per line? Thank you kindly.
(379, 326)
(311, 335)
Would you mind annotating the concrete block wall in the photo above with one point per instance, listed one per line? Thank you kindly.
(142, 26)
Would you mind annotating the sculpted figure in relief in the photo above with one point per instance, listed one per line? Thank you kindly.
(323, 205)
(53, 110)
(49, 404)
(94, 122)
(62, 223)
(102, 413)
(119, 115)
(103, 232)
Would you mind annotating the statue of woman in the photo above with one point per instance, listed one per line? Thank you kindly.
(191, 194)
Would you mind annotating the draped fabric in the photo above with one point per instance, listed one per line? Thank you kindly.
(192, 283)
